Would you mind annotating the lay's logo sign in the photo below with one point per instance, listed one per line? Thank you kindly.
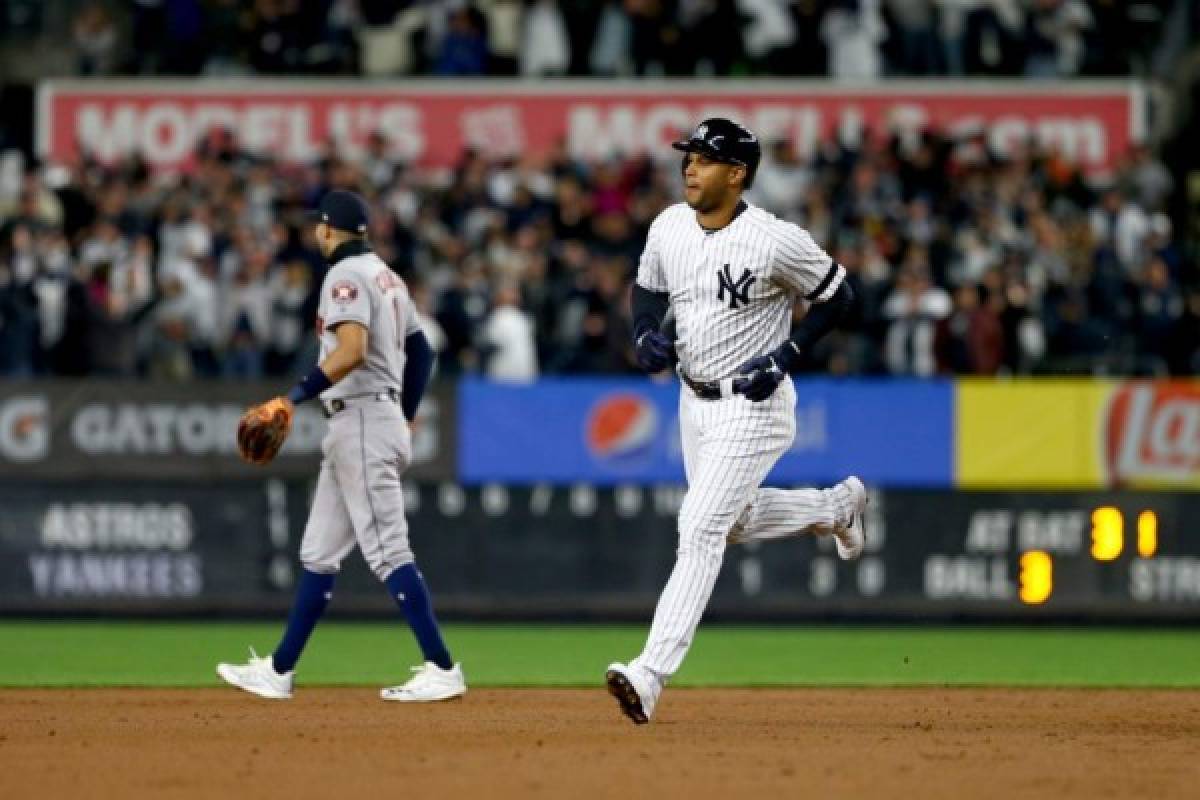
(1152, 434)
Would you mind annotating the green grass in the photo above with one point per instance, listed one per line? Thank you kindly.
(183, 654)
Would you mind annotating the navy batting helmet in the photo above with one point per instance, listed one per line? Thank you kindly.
(724, 140)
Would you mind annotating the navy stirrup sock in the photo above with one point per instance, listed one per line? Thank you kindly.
(408, 590)
(312, 596)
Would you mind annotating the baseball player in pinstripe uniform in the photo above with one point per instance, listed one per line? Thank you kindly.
(730, 273)
(373, 368)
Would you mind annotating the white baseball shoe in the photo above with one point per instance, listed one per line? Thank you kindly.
(851, 538)
(259, 677)
(429, 684)
(634, 692)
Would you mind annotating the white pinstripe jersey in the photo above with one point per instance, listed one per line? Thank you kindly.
(732, 290)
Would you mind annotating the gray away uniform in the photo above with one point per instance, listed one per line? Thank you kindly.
(368, 446)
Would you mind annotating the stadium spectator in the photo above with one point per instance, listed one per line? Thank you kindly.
(507, 339)
(853, 31)
(768, 33)
(965, 261)
(463, 50)
(612, 46)
(782, 180)
(858, 39)
(95, 38)
(1146, 178)
(1054, 38)
(914, 311)
(1160, 309)
(917, 50)
(545, 45)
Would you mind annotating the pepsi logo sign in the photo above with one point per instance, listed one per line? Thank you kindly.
(620, 424)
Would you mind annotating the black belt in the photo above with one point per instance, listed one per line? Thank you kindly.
(709, 390)
(705, 390)
(339, 404)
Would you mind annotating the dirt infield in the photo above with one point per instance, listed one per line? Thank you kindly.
(846, 743)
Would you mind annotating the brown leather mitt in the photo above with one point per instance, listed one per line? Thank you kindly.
(263, 429)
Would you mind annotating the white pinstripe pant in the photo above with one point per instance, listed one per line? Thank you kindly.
(729, 446)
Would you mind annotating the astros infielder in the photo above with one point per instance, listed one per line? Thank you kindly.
(730, 273)
(374, 365)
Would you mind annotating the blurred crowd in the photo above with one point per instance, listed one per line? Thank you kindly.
(966, 262)
(849, 39)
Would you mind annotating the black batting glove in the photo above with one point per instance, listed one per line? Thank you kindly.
(653, 351)
(763, 375)
(787, 356)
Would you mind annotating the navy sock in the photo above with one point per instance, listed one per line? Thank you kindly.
(312, 596)
(408, 590)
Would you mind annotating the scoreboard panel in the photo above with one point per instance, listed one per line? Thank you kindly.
(1074, 553)
(604, 552)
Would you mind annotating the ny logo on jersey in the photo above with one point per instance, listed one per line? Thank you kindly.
(739, 290)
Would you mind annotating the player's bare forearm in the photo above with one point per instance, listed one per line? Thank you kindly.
(349, 354)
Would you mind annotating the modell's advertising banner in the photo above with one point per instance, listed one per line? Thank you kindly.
(431, 123)
(1077, 434)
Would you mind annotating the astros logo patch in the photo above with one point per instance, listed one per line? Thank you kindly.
(344, 292)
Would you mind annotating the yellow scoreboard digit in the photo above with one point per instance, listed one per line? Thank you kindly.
(1037, 577)
(1108, 533)
(1147, 533)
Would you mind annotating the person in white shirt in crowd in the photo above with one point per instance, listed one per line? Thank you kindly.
(914, 310)
(853, 30)
(507, 339)
(185, 322)
(104, 244)
(782, 181)
(769, 28)
(1122, 225)
(245, 315)
(545, 48)
(1149, 181)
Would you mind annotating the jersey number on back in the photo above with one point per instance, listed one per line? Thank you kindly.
(392, 286)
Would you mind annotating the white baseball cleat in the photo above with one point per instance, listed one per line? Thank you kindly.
(259, 677)
(635, 696)
(429, 684)
(851, 538)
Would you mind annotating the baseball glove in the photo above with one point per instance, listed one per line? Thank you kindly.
(263, 429)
